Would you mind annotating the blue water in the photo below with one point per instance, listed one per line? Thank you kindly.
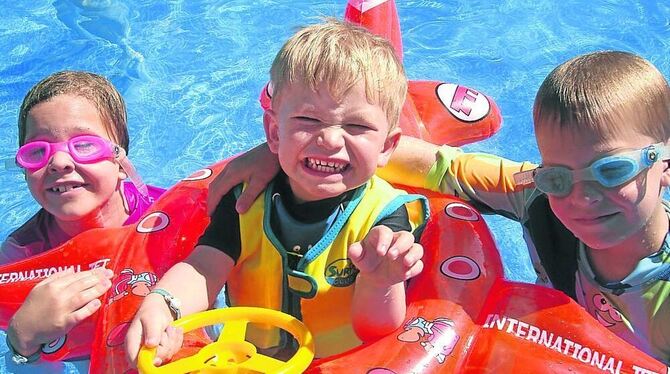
(190, 71)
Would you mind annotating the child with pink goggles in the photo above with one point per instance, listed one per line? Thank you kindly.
(84, 149)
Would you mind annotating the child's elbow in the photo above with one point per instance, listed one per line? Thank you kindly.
(369, 331)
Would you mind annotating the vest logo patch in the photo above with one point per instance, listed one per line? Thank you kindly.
(341, 273)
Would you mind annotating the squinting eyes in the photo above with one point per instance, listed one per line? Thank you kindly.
(306, 119)
(351, 127)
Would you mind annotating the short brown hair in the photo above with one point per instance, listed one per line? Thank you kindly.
(95, 88)
(602, 92)
(340, 54)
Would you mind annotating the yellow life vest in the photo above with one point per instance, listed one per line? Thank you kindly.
(322, 286)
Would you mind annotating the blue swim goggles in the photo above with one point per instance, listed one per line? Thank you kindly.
(609, 171)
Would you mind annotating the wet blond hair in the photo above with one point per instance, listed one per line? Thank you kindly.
(341, 54)
(606, 93)
(95, 88)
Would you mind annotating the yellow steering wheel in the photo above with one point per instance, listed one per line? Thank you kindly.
(231, 353)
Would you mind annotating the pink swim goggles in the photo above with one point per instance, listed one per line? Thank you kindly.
(84, 149)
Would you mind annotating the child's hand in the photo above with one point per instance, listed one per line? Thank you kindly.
(56, 305)
(257, 167)
(385, 257)
(151, 326)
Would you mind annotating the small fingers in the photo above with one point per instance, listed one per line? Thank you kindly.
(355, 253)
(171, 341)
(84, 312)
(56, 276)
(410, 262)
(368, 254)
(249, 195)
(86, 291)
(70, 291)
(153, 333)
(176, 335)
(384, 243)
(262, 166)
(365, 260)
(415, 270)
(219, 186)
(414, 254)
(86, 279)
(257, 167)
(133, 340)
(402, 242)
(162, 350)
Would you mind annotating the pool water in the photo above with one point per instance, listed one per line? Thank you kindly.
(191, 71)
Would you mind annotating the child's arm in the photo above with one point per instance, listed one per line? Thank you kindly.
(486, 181)
(257, 167)
(55, 306)
(411, 162)
(195, 282)
(385, 259)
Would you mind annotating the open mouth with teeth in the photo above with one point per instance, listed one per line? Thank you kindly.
(325, 166)
(64, 188)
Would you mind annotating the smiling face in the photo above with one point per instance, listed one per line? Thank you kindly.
(605, 217)
(70, 191)
(328, 145)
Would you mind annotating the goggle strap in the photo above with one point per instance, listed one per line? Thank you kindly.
(524, 178)
(127, 166)
(663, 152)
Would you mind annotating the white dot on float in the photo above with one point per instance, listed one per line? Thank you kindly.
(460, 267)
(461, 211)
(153, 222)
(199, 175)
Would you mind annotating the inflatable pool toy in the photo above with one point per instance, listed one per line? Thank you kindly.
(438, 112)
(462, 314)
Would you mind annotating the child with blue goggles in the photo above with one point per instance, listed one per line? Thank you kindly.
(593, 214)
(609, 171)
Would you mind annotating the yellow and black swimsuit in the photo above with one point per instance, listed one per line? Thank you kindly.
(320, 287)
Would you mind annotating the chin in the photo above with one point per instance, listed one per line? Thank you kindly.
(326, 191)
(70, 215)
(599, 241)
(322, 195)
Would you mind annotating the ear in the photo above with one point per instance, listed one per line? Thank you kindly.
(390, 145)
(122, 174)
(271, 126)
(665, 177)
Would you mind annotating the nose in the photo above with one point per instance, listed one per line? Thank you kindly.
(585, 193)
(60, 162)
(331, 137)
